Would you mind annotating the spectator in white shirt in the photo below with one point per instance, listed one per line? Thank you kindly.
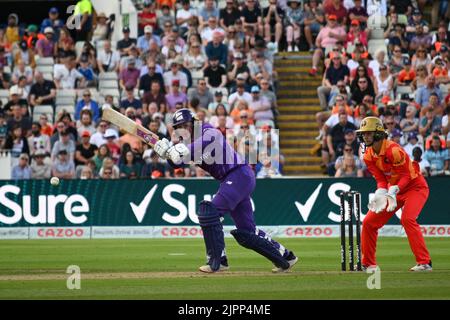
(66, 76)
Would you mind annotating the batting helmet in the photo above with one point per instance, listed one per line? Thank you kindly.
(182, 116)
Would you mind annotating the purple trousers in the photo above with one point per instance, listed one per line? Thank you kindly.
(233, 197)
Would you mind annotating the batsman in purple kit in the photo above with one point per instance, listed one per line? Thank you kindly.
(212, 153)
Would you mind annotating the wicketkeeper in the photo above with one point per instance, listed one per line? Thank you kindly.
(399, 185)
(237, 182)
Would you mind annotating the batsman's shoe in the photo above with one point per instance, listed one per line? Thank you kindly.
(207, 268)
(422, 268)
(291, 259)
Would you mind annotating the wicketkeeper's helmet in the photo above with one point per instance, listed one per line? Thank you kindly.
(372, 124)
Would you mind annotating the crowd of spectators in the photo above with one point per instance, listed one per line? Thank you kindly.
(405, 82)
(217, 62)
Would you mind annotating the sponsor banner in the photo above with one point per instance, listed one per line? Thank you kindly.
(14, 233)
(312, 231)
(122, 232)
(60, 233)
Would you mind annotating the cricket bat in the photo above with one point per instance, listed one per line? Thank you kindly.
(125, 124)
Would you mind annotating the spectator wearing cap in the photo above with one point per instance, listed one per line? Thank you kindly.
(175, 35)
(207, 11)
(53, 22)
(124, 44)
(100, 28)
(396, 136)
(112, 144)
(39, 168)
(218, 99)
(24, 54)
(67, 76)
(237, 69)
(261, 108)
(229, 15)
(175, 74)
(85, 151)
(32, 36)
(216, 48)
(328, 36)
(130, 75)
(202, 93)
(420, 39)
(215, 75)
(423, 93)
(175, 96)
(412, 142)
(293, 19)
(131, 101)
(22, 170)
(407, 75)
(437, 132)
(16, 98)
(143, 42)
(89, 104)
(414, 20)
(64, 143)
(335, 72)
(356, 35)
(42, 92)
(46, 47)
(438, 157)
(37, 140)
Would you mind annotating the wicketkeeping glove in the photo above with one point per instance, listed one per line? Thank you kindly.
(177, 153)
(391, 197)
(379, 201)
(161, 147)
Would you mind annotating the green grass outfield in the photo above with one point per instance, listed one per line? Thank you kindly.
(166, 269)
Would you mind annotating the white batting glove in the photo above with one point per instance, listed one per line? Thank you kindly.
(177, 153)
(379, 201)
(161, 147)
(391, 197)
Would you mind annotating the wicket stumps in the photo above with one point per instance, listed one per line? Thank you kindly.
(353, 201)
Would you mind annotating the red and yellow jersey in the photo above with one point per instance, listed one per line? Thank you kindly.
(392, 166)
